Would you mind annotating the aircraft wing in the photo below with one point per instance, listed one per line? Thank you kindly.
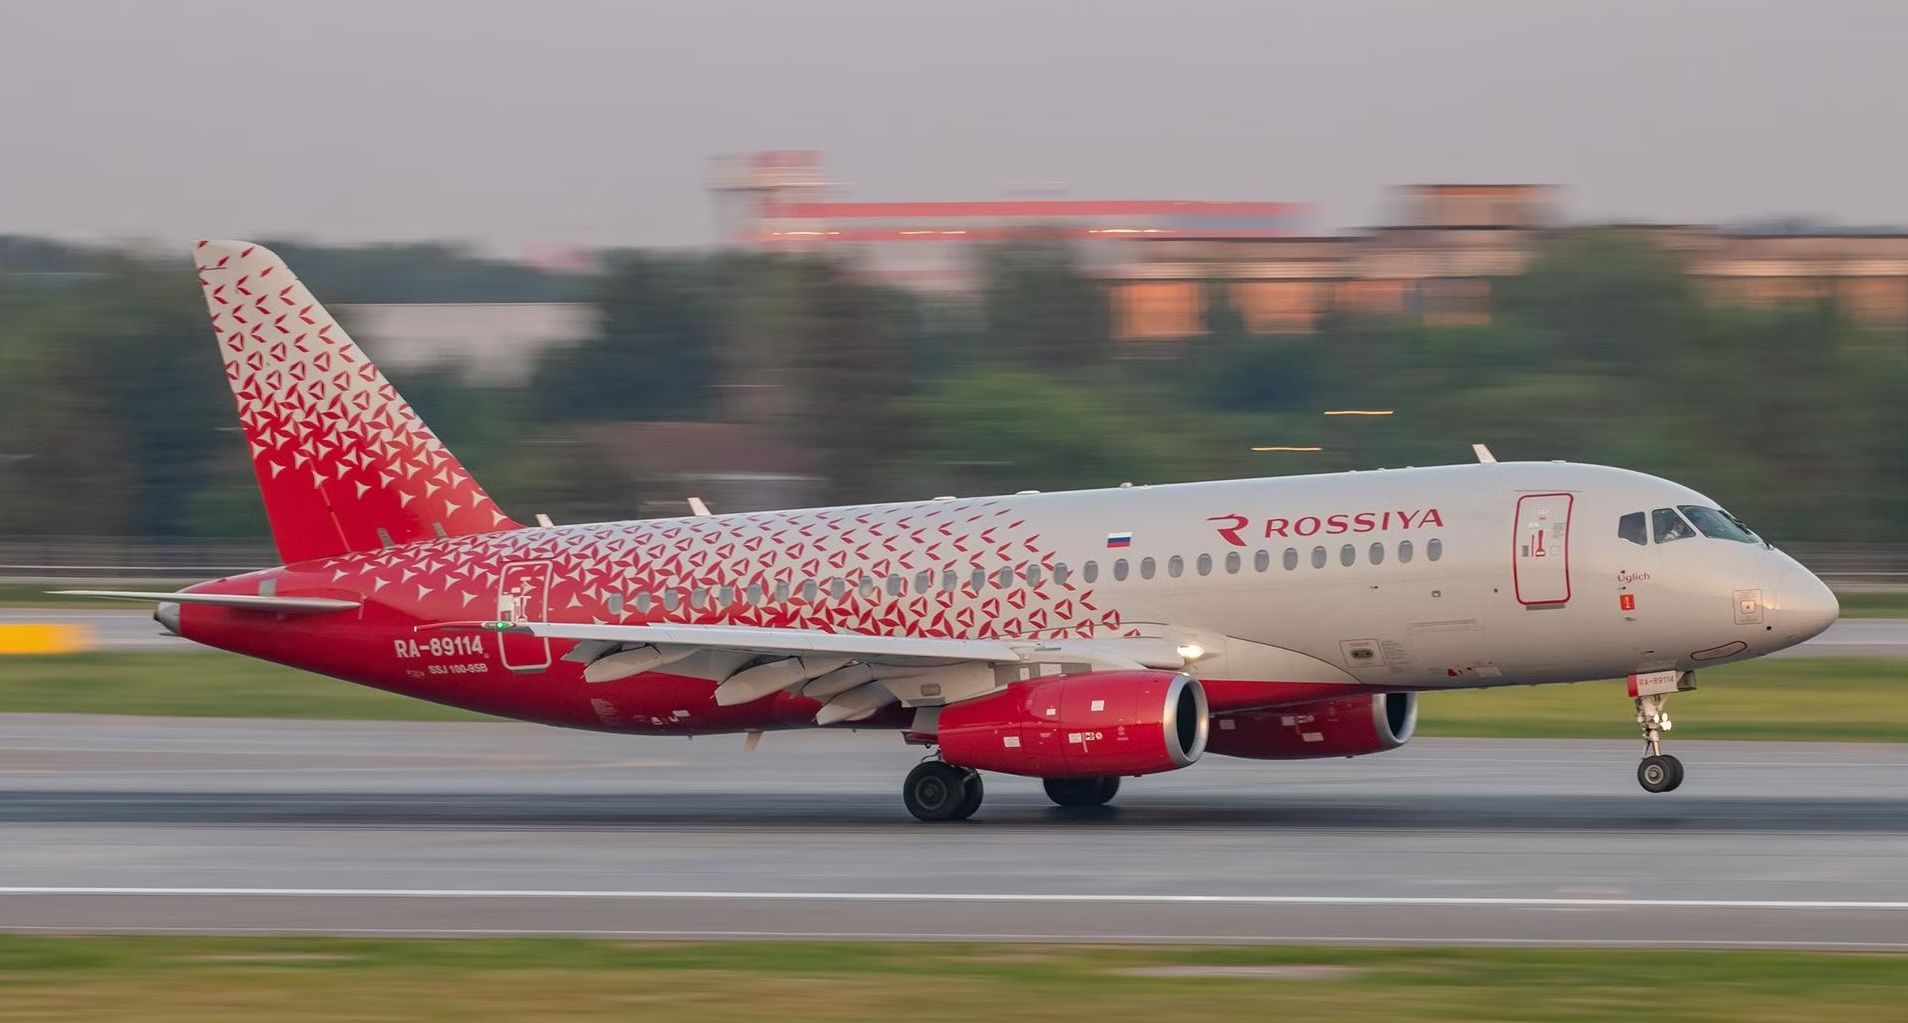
(856, 674)
(752, 639)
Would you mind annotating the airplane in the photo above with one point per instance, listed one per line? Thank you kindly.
(1077, 637)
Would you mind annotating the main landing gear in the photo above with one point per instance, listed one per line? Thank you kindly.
(1659, 772)
(938, 791)
(1082, 791)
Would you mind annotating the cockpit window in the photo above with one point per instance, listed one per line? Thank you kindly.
(1719, 524)
(1670, 526)
(1634, 528)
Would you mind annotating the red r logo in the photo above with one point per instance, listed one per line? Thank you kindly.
(1230, 533)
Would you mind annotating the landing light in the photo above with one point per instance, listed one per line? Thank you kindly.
(1191, 651)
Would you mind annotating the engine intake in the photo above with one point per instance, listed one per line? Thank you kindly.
(1350, 726)
(1094, 724)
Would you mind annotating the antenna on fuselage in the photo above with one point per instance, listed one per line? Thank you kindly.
(697, 508)
(1483, 454)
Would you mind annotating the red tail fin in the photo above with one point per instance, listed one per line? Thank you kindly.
(342, 461)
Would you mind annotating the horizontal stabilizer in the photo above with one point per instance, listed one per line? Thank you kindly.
(280, 605)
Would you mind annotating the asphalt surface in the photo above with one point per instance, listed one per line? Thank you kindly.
(131, 824)
(134, 629)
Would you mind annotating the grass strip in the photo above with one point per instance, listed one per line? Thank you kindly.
(176, 979)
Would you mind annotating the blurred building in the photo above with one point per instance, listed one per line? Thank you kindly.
(1439, 262)
(488, 342)
(781, 201)
(1436, 261)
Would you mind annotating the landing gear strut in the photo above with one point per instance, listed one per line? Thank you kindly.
(1082, 791)
(1659, 772)
(938, 791)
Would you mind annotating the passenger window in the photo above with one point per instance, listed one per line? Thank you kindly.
(1670, 526)
(839, 587)
(1234, 562)
(1090, 572)
(1633, 528)
(698, 596)
(978, 579)
(1119, 570)
(1033, 575)
(725, 595)
(923, 580)
(671, 600)
(1404, 552)
(1318, 557)
(895, 586)
(1061, 573)
(1291, 558)
(1004, 578)
(1205, 564)
(781, 592)
(643, 603)
(1262, 561)
(811, 590)
(1377, 554)
(616, 603)
(950, 580)
(1347, 554)
(755, 593)
(866, 587)
(1147, 568)
(1434, 549)
(1175, 565)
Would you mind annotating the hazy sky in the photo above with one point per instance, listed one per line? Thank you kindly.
(511, 123)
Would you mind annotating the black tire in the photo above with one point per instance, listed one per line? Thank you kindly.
(975, 793)
(1659, 774)
(1081, 791)
(936, 791)
(1676, 772)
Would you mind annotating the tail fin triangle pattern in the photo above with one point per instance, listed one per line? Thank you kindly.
(343, 462)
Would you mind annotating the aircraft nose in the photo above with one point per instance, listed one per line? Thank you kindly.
(1808, 605)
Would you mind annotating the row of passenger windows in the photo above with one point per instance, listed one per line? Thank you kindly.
(1671, 524)
(837, 588)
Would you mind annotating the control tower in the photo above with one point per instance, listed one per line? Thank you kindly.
(748, 187)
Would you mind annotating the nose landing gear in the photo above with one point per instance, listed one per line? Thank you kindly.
(1659, 772)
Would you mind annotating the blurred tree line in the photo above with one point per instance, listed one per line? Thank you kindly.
(114, 419)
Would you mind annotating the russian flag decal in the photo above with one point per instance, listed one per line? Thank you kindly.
(1119, 539)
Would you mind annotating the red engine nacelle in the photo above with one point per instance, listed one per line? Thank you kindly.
(1347, 727)
(1078, 726)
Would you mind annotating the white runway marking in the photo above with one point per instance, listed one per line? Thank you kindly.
(997, 897)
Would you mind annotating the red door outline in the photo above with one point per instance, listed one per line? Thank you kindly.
(523, 595)
(1534, 544)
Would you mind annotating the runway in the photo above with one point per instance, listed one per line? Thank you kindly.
(128, 630)
(370, 828)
